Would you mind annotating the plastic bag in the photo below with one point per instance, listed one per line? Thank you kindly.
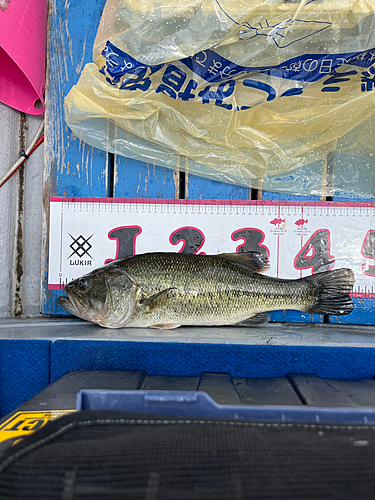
(237, 91)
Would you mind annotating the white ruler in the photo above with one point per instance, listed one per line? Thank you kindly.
(299, 238)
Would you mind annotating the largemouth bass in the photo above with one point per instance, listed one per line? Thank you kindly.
(167, 290)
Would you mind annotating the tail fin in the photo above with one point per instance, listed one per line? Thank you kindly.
(333, 289)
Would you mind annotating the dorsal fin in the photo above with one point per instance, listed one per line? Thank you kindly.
(254, 261)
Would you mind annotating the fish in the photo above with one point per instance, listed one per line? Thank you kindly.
(301, 222)
(277, 222)
(165, 290)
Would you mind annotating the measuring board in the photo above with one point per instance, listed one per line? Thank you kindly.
(299, 238)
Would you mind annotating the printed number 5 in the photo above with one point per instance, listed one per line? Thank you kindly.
(368, 251)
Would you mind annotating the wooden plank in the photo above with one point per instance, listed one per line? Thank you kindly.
(163, 383)
(9, 119)
(137, 179)
(266, 391)
(220, 387)
(72, 168)
(315, 391)
(361, 391)
(18, 222)
(305, 180)
(32, 227)
(200, 188)
(20, 216)
(363, 314)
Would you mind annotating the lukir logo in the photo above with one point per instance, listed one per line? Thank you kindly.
(81, 247)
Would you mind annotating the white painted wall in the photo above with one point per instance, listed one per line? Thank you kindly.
(20, 217)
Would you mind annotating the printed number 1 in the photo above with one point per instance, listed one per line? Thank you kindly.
(315, 253)
(125, 237)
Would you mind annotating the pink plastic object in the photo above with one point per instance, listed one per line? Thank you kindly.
(23, 27)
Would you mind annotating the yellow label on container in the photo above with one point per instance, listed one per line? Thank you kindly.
(24, 423)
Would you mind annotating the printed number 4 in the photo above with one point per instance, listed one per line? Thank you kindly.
(316, 253)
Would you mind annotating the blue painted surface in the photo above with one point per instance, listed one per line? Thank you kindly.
(136, 179)
(363, 314)
(200, 188)
(295, 317)
(72, 167)
(24, 371)
(346, 196)
(76, 169)
(271, 196)
(305, 180)
(158, 358)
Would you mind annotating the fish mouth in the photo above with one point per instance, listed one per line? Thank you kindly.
(78, 306)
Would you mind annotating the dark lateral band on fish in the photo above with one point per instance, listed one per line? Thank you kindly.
(167, 290)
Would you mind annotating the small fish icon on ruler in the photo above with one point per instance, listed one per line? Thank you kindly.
(277, 221)
(301, 222)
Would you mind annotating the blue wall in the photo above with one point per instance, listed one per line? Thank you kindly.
(28, 366)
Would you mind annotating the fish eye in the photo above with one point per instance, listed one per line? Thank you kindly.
(82, 283)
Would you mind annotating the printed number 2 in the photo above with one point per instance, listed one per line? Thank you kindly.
(125, 237)
(315, 253)
(192, 238)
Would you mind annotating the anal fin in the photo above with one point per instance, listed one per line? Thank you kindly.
(257, 320)
(166, 326)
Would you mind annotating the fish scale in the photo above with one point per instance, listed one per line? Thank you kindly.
(166, 290)
(210, 291)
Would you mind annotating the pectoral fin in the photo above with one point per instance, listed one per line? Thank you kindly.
(158, 300)
(257, 320)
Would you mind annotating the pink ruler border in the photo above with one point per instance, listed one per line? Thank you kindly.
(163, 201)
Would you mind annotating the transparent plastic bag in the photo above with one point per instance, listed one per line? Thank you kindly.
(244, 92)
